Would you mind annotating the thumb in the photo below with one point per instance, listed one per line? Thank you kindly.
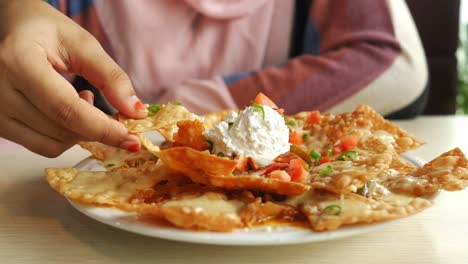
(87, 58)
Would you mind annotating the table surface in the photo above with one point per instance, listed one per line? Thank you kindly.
(38, 226)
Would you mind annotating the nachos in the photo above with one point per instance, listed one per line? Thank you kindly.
(239, 169)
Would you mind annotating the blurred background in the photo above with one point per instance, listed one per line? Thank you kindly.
(442, 26)
(462, 55)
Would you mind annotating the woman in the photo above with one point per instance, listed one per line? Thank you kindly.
(207, 54)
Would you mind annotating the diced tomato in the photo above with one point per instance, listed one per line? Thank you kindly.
(280, 175)
(325, 160)
(286, 157)
(295, 138)
(204, 146)
(322, 152)
(279, 110)
(314, 117)
(296, 169)
(262, 99)
(274, 166)
(348, 142)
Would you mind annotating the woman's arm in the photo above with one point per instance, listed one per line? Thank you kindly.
(363, 51)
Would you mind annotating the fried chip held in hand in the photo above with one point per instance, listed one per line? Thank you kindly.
(112, 157)
(164, 120)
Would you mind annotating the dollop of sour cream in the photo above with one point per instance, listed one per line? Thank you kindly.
(251, 134)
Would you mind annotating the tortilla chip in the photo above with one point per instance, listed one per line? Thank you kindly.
(164, 121)
(205, 168)
(400, 165)
(112, 157)
(316, 128)
(369, 144)
(364, 117)
(258, 212)
(348, 176)
(449, 172)
(193, 189)
(373, 156)
(258, 183)
(190, 134)
(197, 164)
(211, 119)
(209, 211)
(184, 204)
(148, 145)
(327, 211)
(112, 188)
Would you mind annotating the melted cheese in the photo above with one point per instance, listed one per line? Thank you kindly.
(407, 183)
(348, 207)
(101, 185)
(385, 137)
(207, 203)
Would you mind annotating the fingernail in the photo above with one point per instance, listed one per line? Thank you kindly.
(90, 99)
(131, 143)
(139, 106)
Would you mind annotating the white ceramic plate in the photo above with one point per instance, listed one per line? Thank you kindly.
(256, 236)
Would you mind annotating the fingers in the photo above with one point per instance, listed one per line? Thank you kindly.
(36, 142)
(28, 114)
(88, 59)
(57, 99)
(88, 96)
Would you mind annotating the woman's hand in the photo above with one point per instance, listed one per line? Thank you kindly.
(38, 107)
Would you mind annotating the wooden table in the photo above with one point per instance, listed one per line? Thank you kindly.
(39, 226)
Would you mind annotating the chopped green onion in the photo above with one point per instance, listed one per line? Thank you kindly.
(260, 109)
(332, 209)
(210, 147)
(327, 172)
(307, 167)
(293, 122)
(220, 154)
(153, 109)
(350, 155)
(230, 124)
(315, 155)
(177, 103)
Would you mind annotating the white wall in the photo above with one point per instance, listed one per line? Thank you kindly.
(464, 11)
